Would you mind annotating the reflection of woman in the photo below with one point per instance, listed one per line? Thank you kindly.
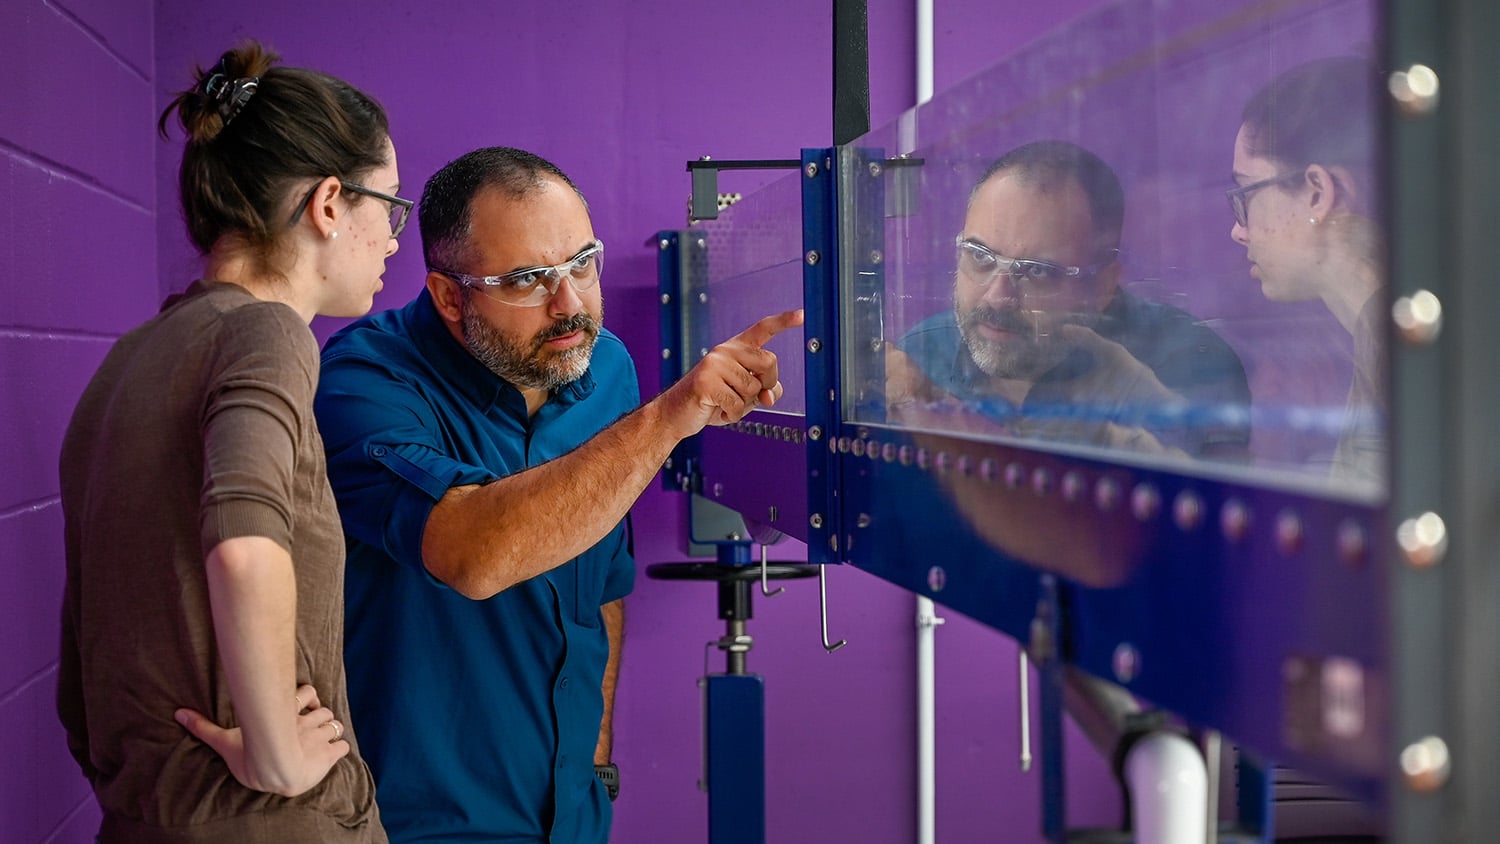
(204, 554)
(1304, 211)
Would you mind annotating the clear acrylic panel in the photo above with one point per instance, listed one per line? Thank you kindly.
(1095, 293)
(744, 266)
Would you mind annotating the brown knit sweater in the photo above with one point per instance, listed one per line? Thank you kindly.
(198, 427)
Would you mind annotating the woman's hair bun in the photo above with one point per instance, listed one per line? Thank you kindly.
(220, 93)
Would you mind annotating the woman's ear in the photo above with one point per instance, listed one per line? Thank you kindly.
(1326, 193)
(322, 210)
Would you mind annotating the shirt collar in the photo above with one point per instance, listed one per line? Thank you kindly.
(475, 380)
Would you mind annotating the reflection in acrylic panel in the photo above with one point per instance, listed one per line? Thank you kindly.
(1153, 231)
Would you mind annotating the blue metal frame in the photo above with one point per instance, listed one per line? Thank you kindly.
(820, 275)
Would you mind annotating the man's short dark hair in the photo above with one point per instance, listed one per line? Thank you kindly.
(446, 210)
(1048, 165)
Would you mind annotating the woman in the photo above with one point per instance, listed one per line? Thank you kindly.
(1305, 210)
(201, 680)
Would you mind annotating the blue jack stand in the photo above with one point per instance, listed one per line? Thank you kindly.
(734, 702)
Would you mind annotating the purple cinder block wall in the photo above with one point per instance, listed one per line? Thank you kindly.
(77, 246)
(620, 95)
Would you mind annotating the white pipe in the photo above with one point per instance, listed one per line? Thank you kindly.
(927, 620)
(1168, 785)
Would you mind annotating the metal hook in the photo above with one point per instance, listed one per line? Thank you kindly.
(1025, 713)
(764, 587)
(823, 609)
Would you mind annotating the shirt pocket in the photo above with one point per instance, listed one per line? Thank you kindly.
(578, 584)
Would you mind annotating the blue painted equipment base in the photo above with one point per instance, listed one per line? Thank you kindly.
(735, 744)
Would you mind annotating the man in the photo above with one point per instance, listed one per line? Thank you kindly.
(1043, 342)
(484, 446)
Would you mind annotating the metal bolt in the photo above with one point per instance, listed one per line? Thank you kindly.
(812, 257)
(876, 257)
(1041, 480)
(1145, 502)
(702, 297)
(666, 354)
(704, 158)
(814, 344)
(1187, 510)
(1351, 542)
(1234, 520)
(772, 513)
(1072, 486)
(733, 536)
(666, 298)
(667, 464)
(1418, 317)
(1126, 662)
(863, 520)
(811, 169)
(1424, 539)
(1014, 474)
(877, 344)
(1107, 494)
(702, 244)
(664, 244)
(936, 578)
(702, 352)
(1288, 532)
(718, 490)
(876, 169)
(815, 433)
(1426, 764)
(1415, 90)
(816, 520)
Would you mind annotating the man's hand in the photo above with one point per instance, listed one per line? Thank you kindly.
(1117, 378)
(319, 737)
(733, 379)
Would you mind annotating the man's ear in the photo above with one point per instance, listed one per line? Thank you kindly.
(447, 296)
(1107, 282)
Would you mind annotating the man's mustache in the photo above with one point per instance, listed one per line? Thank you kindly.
(562, 328)
(1015, 322)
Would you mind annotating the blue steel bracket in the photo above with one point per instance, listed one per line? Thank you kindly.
(672, 277)
(821, 328)
(734, 746)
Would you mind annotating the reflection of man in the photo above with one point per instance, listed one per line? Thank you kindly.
(484, 446)
(1043, 340)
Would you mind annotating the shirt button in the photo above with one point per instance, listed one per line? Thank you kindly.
(564, 683)
(378, 451)
(562, 758)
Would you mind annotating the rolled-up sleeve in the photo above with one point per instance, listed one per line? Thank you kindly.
(254, 419)
(385, 460)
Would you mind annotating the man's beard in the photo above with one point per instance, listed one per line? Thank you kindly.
(1030, 355)
(529, 365)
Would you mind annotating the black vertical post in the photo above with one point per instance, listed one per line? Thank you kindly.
(851, 70)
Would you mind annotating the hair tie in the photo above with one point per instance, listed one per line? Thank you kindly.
(229, 96)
